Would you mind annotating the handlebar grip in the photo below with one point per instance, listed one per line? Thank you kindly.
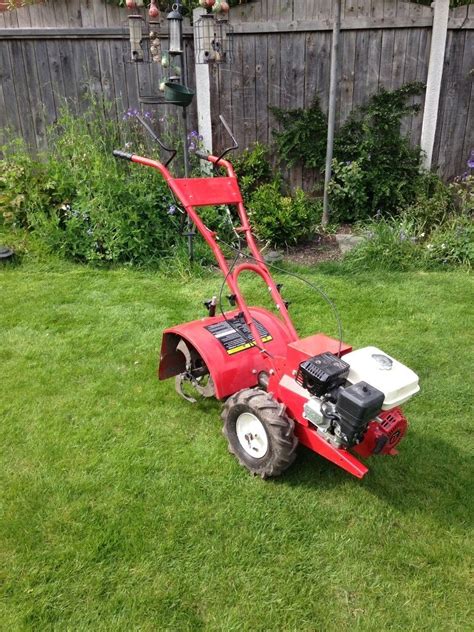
(122, 154)
(202, 155)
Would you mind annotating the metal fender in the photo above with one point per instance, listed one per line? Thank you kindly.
(232, 366)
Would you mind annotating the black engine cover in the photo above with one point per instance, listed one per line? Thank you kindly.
(357, 405)
(322, 373)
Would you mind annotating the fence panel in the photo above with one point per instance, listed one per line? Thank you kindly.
(383, 44)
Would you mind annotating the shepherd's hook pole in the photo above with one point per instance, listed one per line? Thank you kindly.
(184, 71)
(332, 107)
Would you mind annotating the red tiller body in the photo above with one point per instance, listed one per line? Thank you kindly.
(276, 349)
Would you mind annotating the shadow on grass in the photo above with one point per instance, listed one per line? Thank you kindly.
(430, 476)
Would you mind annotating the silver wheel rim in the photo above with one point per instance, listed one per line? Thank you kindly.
(252, 435)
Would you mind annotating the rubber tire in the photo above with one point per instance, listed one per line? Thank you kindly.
(282, 442)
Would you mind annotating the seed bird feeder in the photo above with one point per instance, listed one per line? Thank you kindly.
(135, 26)
(211, 39)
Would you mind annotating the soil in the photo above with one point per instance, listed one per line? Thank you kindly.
(322, 248)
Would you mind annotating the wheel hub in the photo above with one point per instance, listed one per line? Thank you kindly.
(252, 435)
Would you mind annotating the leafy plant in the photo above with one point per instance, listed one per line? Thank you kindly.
(386, 177)
(433, 204)
(81, 201)
(253, 169)
(452, 243)
(347, 191)
(283, 220)
(302, 139)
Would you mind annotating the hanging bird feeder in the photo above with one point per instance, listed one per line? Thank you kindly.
(175, 22)
(211, 37)
(135, 23)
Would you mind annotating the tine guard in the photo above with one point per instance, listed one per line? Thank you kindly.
(233, 366)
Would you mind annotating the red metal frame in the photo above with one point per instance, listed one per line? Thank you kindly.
(279, 357)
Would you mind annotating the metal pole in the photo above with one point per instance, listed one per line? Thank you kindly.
(332, 107)
(184, 74)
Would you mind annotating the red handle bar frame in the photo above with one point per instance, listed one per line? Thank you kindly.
(211, 238)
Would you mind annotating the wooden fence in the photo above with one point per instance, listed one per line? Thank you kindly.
(282, 58)
(63, 49)
(68, 49)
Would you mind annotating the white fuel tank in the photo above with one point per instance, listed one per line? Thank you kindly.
(377, 368)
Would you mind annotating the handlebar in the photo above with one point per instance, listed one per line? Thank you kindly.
(122, 154)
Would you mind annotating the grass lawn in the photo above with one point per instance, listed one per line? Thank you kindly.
(122, 510)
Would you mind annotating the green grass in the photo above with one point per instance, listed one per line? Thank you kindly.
(122, 510)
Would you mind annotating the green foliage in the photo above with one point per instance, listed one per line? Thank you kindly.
(389, 244)
(81, 201)
(462, 190)
(418, 240)
(253, 169)
(376, 171)
(386, 175)
(452, 243)
(303, 135)
(220, 219)
(433, 204)
(347, 192)
(283, 220)
(24, 185)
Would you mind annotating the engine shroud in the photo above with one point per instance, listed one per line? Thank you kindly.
(322, 373)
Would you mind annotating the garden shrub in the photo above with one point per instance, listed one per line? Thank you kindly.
(303, 136)
(253, 169)
(386, 176)
(84, 203)
(451, 243)
(375, 169)
(283, 220)
(413, 241)
(389, 243)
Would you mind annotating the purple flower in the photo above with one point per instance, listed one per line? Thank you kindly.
(192, 146)
(470, 160)
(171, 209)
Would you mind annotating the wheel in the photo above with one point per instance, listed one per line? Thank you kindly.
(259, 433)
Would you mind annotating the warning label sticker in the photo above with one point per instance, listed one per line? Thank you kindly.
(235, 336)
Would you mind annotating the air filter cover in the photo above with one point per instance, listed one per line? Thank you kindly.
(322, 373)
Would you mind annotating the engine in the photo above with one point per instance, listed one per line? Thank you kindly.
(354, 401)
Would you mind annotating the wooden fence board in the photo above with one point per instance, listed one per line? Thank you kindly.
(57, 80)
(261, 89)
(346, 79)
(45, 82)
(9, 99)
(23, 104)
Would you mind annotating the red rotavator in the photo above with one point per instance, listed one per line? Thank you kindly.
(279, 389)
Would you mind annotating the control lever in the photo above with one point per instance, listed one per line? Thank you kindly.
(235, 143)
(155, 137)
